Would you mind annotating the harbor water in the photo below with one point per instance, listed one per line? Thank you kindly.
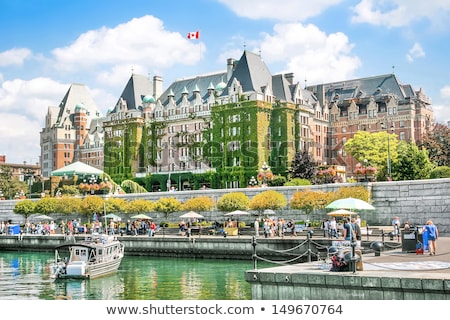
(26, 275)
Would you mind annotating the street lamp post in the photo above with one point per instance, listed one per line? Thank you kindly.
(29, 175)
(265, 168)
(365, 170)
(389, 169)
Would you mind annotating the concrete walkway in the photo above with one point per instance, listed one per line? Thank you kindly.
(399, 260)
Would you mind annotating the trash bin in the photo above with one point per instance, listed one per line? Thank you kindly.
(409, 240)
(14, 229)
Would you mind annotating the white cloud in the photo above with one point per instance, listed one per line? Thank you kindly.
(283, 10)
(140, 41)
(441, 113)
(14, 57)
(20, 142)
(31, 98)
(23, 106)
(442, 109)
(400, 13)
(415, 52)
(310, 53)
(445, 92)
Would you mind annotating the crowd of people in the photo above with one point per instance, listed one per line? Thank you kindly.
(274, 227)
(348, 229)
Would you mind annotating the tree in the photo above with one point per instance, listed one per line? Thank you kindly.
(375, 148)
(137, 206)
(308, 200)
(68, 205)
(167, 206)
(46, 205)
(303, 166)
(9, 185)
(233, 201)
(358, 192)
(269, 199)
(91, 205)
(25, 208)
(437, 143)
(116, 205)
(412, 163)
(198, 204)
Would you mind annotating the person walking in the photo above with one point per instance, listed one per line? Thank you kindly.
(433, 234)
(333, 228)
(348, 230)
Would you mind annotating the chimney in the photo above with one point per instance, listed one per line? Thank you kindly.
(289, 77)
(321, 94)
(157, 87)
(230, 68)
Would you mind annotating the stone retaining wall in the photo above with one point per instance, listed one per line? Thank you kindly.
(416, 201)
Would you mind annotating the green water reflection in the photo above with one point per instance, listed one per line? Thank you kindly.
(27, 276)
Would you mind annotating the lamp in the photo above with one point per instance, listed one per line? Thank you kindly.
(389, 169)
(365, 169)
(265, 168)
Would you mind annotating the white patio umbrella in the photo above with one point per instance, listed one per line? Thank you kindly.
(41, 217)
(237, 213)
(191, 215)
(341, 213)
(142, 217)
(350, 204)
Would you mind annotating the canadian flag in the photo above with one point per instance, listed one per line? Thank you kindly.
(193, 35)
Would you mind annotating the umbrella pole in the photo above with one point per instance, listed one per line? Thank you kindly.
(237, 220)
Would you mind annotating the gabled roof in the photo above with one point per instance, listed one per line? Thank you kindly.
(188, 85)
(251, 72)
(137, 88)
(77, 95)
(377, 87)
(76, 168)
(281, 88)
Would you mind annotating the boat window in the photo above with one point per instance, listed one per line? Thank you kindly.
(100, 252)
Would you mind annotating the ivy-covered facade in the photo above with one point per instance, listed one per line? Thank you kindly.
(212, 131)
(218, 130)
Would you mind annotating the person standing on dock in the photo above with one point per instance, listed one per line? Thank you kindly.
(396, 225)
(433, 234)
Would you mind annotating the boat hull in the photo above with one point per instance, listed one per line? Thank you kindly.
(91, 259)
(92, 271)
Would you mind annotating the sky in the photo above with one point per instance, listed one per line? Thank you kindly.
(46, 45)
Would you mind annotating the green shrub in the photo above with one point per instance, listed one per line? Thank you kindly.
(298, 182)
(440, 172)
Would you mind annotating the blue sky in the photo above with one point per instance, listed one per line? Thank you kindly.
(48, 44)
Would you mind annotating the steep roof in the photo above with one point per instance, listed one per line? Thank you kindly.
(78, 94)
(281, 88)
(377, 86)
(137, 87)
(251, 72)
(189, 85)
